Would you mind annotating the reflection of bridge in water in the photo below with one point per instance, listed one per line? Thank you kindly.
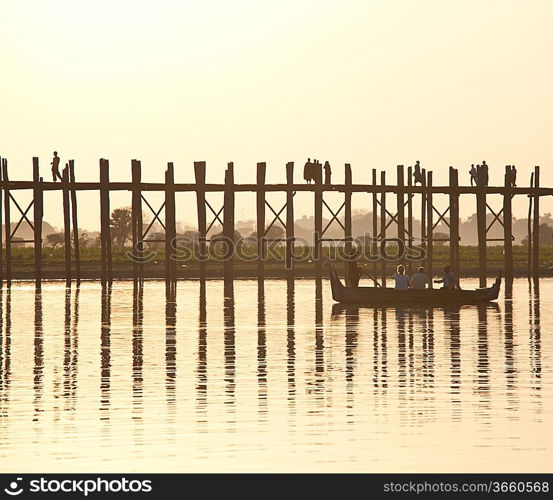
(402, 349)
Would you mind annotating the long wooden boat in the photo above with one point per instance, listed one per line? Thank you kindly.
(432, 296)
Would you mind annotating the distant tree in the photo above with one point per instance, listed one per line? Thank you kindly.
(55, 239)
(84, 239)
(275, 231)
(121, 226)
(546, 236)
(220, 235)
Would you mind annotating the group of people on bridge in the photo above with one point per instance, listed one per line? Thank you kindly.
(313, 172)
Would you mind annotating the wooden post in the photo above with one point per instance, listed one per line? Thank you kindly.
(410, 218)
(530, 202)
(75, 222)
(170, 225)
(536, 226)
(37, 220)
(318, 229)
(454, 220)
(383, 226)
(482, 236)
(508, 226)
(260, 201)
(7, 220)
(429, 230)
(137, 222)
(374, 239)
(228, 221)
(105, 230)
(348, 236)
(400, 199)
(66, 222)
(199, 173)
(290, 223)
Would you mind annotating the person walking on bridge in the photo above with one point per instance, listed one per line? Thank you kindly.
(308, 171)
(56, 167)
(328, 173)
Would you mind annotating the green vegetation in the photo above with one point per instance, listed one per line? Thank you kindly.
(53, 261)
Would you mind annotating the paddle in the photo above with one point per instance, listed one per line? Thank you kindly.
(370, 277)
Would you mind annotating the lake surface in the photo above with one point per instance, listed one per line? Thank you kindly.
(268, 376)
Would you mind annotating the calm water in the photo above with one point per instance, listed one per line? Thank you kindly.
(269, 376)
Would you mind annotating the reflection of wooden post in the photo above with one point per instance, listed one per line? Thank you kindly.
(199, 173)
(383, 226)
(374, 240)
(105, 231)
(290, 234)
(170, 225)
(66, 222)
(228, 220)
(530, 201)
(37, 220)
(347, 214)
(260, 201)
(423, 209)
(318, 230)
(75, 222)
(7, 220)
(454, 220)
(410, 218)
(508, 225)
(429, 229)
(137, 222)
(536, 225)
(481, 223)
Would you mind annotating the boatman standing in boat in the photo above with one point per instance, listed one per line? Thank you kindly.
(449, 280)
(354, 273)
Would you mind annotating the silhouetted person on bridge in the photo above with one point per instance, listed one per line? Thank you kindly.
(317, 172)
(483, 175)
(513, 177)
(55, 167)
(308, 171)
(418, 176)
(473, 175)
(328, 173)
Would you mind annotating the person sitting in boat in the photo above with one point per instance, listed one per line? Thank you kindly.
(419, 280)
(449, 280)
(401, 279)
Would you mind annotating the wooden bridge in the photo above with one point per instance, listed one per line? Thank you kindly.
(391, 204)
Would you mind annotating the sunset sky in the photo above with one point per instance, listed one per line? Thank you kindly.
(367, 82)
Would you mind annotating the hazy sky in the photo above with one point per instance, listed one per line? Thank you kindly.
(367, 82)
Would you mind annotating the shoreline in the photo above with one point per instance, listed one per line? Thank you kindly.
(239, 273)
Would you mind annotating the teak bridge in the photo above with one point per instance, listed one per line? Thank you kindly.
(391, 204)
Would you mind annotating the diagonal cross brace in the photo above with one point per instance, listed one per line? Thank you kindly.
(216, 216)
(334, 216)
(496, 217)
(441, 217)
(23, 216)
